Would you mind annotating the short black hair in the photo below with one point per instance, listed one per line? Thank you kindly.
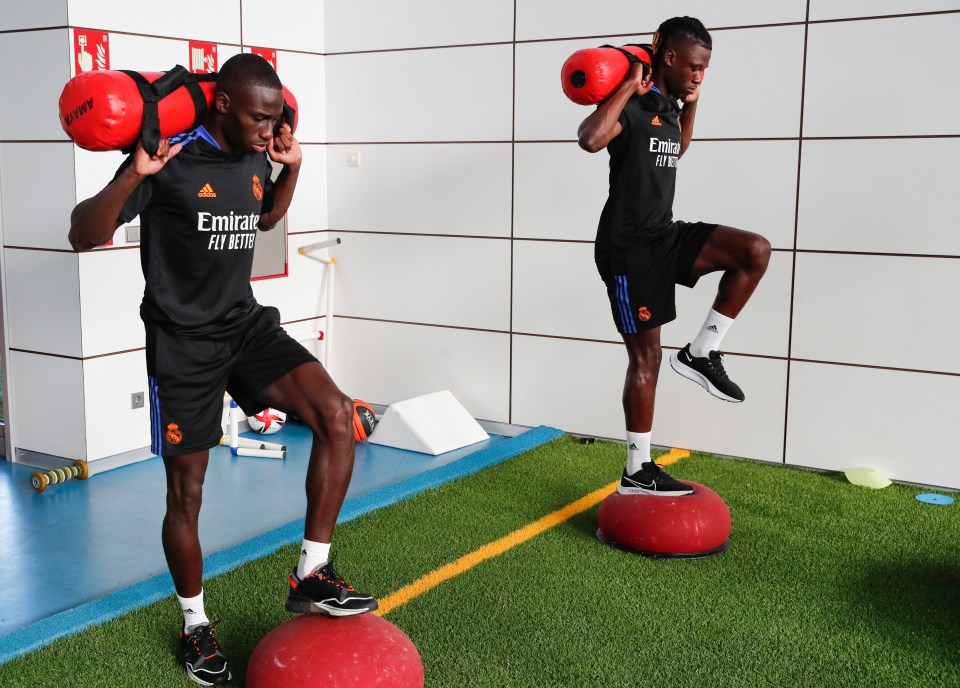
(680, 32)
(249, 70)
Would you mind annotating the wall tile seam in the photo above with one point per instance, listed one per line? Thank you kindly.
(714, 139)
(535, 335)
(650, 32)
(136, 34)
(550, 240)
(521, 41)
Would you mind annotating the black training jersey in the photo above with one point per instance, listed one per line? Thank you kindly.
(643, 173)
(199, 218)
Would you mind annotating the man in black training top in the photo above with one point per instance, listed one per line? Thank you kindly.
(642, 252)
(201, 200)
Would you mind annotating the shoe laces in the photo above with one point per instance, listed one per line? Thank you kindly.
(716, 362)
(327, 573)
(204, 639)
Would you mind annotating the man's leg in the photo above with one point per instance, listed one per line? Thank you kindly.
(743, 258)
(310, 394)
(181, 540)
(642, 476)
(199, 650)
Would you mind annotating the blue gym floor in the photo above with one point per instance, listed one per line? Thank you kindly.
(84, 551)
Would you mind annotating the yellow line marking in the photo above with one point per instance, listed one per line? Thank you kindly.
(672, 456)
(488, 551)
(498, 547)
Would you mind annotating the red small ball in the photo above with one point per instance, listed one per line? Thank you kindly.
(689, 525)
(312, 650)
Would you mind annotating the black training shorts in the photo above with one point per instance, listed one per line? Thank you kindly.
(188, 378)
(641, 281)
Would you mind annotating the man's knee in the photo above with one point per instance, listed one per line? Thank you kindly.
(645, 359)
(331, 416)
(758, 253)
(184, 498)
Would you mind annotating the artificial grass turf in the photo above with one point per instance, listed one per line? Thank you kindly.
(826, 584)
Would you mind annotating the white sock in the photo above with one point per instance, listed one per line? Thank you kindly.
(193, 614)
(312, 555)
(711, 334)
(638, 450)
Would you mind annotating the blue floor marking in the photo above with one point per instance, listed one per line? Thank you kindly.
(72, 621)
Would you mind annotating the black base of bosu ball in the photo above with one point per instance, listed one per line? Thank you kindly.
(685, 527)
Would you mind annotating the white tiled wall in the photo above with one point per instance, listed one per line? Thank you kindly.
(851, 201)
(467, 226)
(425, 197)
(212, 20)
(447, 94)
(748, 167)
(545, 19)
(354, 25)
(385, 362)
(847, 96)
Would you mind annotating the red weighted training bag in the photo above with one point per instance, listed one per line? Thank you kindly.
(590, 75)
(109, 109)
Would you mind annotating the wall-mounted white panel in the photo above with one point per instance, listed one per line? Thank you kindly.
(577, 386)
(559, 192)
(836, 412)
(439, 280)
(454, 94)
(557, 291)
(877, 310)
(760, 197)
(441, 189)
(386, 362)
(304, 32)
(842, 9)
(308, 210)
(763, 326)
(300, 294)
(849, 202)
(574, 386)
(33, 15)
(147, 54)
(111, 289)
(377, 25)
(842, 98)
(738, 66)
(37, 184)
(213, 20)
(303, 75)
(38, 67)
(113, 426)
(44, 387)
(42, 299)
(564, 18)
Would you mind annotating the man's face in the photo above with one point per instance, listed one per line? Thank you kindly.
(685, 67)
(250, 118)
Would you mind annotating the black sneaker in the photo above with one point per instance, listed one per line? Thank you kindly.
(323, 591)
(708, 372)
(200, 655)
(651, 480)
